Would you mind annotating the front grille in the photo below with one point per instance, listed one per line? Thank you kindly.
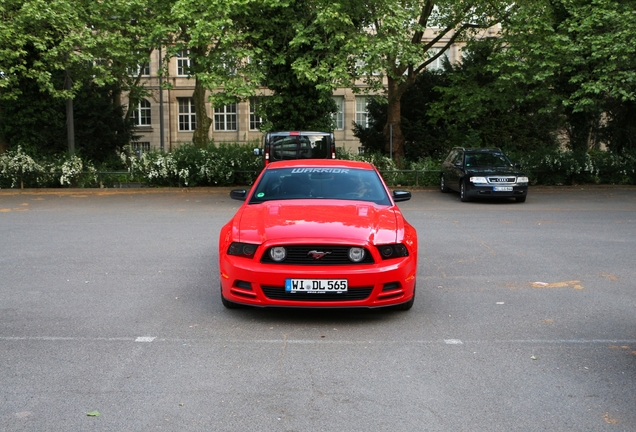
(299, 255)
(279, 293)
(502, 179)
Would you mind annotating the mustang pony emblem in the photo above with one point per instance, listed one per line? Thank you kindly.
(317, 254)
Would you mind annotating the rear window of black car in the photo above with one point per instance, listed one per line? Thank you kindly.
(320, 183)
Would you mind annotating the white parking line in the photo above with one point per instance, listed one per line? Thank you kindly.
(323, 341)
(65, 338)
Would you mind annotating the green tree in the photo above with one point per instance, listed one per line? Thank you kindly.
(88, 42)
(478, 109)
(423, 135)
(297, 102)
(580, 51)
(466, 105)
(36, 121)
(212, 33)
(393, 41)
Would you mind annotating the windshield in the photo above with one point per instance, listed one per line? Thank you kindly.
(487, 160)
(320, 183)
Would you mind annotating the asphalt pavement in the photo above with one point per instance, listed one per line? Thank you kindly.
(111, 320)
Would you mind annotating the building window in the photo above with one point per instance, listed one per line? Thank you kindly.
(141, 114)
(225, 118)
(183, 63)
(362, 112)
(143, 70)
(438, 64)
(338, 116)
(187, 114)
(141, 147)
(255, 120)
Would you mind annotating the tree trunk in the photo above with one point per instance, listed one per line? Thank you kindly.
(70, 124)
(582, 130)
(201, 133)
(393, 137)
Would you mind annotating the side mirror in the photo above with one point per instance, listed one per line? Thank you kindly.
(238, 194)
(518, 165)
(401, 195)
(258, 152)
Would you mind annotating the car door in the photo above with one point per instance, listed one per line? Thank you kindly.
(447, 166)
(456, 170)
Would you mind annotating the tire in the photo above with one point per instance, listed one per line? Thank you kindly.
(463, 195)
(405, 306)
(521, 199)
(442, 184)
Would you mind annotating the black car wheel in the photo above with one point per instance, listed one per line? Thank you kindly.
(521, 199)
(463, 195)
(442, 184)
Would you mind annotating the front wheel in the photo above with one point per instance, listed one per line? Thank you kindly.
(521, 199)
(463, 193)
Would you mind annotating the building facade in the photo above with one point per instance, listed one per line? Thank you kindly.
(166, 118)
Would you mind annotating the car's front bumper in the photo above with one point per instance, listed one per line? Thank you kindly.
(489, 191)
(253, 283)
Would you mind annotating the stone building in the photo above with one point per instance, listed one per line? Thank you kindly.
(172, 111)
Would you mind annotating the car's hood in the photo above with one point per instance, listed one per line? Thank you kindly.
(317, 220)
(494, 171)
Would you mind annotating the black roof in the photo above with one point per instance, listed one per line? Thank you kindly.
(288, 133)
(479, 150)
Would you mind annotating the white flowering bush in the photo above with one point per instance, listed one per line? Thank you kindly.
(612, 168)
(189, 165)
(567, 167)
(20, 169)
(235, 164)
(158, 168)
(428, 168)
(74, 172)
(16, 167)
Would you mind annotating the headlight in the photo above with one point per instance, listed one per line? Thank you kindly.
(522, 179)
(356, 254)
(393, 251)
(242, 249)
(277, 253)
(478, 180)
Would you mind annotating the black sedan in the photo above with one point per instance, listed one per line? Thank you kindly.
(483, 173)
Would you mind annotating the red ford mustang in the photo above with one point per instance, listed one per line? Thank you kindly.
(318, 233)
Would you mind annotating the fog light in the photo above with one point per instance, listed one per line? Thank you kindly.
(356, 254)
(278, 253)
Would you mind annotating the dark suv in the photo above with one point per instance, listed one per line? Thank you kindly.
(482, 172)
(297, 145)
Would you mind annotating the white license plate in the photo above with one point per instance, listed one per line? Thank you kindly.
(502, 188)
(316, 285)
